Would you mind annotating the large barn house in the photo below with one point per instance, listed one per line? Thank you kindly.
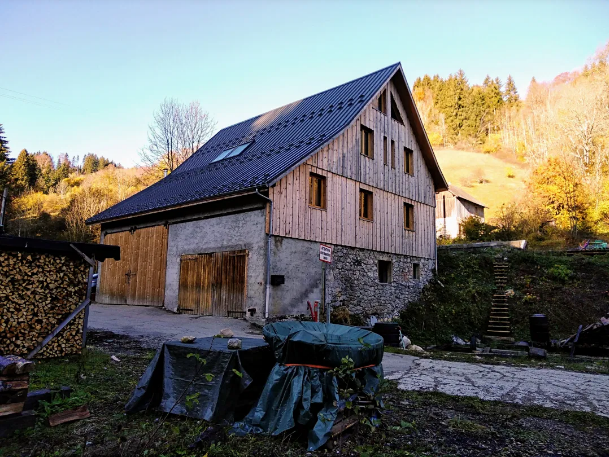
(237, 227)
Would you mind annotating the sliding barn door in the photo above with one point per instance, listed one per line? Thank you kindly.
(139, 277)
(213, 284)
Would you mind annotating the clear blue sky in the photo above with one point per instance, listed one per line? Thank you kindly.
(104, 67)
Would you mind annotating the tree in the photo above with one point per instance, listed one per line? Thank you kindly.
(177, 132)
(90, 164)
(510, 93)
(24, 172)
(4, 166)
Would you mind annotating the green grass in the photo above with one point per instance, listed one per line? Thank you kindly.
(414, 424)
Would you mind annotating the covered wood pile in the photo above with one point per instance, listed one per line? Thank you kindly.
(38, 291)
(41, 283)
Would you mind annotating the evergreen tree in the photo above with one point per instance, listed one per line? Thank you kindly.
(24, 172)
(90, 164)
(4, 166)
(510, 93)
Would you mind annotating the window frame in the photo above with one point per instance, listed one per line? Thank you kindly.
(393, 154)
(323, 195)
(408, 161)
(366, 201)
(416, 271)
(381, 102)
(232, 152)
(385, 151)
(366, 141)
(385, 271)
(409, 217)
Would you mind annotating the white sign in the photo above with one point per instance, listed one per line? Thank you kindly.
(325, 253)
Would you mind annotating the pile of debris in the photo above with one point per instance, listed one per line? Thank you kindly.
(596, 334)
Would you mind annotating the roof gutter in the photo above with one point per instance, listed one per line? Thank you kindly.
(267, 300)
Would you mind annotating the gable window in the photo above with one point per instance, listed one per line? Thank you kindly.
(232, 152)
(395, 112)
(384, 271)
(367, 146)
(385, 150)
(382, 102)
(408, 216)
(408, 161)
(416, 271)
(392, 154)
(317, 191)
(365, 204)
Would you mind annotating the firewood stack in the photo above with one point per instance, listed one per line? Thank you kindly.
(14, 384)
(37, 292)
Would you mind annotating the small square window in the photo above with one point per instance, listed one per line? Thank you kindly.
(365, 205)
(232, 152)
(408, 161)
(392, 154)
(408, 216)
(416, 271)
(367, 146)
(317, 191)
(384, 271)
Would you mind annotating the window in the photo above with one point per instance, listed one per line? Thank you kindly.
(367, 146)
(384, 271)
(382, 102)
(392, 154)
(408, 216)
(317, 191)
(408, 161)
(232, 152)
(416, 271)
(395, 112)
(365, 204)
(385, 150)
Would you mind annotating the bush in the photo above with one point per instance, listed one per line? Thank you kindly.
(474, 229)
(509, 172)
(492, 143)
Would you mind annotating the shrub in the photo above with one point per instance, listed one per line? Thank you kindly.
(492, 143)
(509, 172)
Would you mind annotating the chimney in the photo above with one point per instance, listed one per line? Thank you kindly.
(165, 170)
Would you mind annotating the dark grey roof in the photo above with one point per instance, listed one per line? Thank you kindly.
(281, 139)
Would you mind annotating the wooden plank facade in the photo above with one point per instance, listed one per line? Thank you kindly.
(213, 283)
(347, 171)
(139, 277)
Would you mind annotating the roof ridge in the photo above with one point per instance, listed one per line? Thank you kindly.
(397, 64)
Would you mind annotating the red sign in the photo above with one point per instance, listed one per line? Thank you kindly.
(325, 253)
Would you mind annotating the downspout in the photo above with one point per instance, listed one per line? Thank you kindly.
(268, 258)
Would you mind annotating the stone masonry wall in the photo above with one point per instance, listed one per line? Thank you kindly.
(353, 281)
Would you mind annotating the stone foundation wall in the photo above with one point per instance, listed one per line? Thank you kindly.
(353, 281)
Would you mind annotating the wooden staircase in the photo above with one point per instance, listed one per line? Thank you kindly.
(499, 325)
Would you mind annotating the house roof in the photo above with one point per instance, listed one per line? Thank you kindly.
(281, 140)
(460, 193)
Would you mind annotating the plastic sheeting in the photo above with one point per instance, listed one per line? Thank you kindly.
(177, 383)
(298, 393)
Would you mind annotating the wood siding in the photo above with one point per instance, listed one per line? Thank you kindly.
(139, 277)
(214, 283)
(346, 170)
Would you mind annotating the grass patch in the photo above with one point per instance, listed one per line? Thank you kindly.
(414, 424)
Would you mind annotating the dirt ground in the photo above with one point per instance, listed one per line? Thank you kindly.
(413, 424)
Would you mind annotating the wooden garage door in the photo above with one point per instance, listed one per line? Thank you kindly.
(139, 277)
(213, 284)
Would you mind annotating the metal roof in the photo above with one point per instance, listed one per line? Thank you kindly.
(281, 140)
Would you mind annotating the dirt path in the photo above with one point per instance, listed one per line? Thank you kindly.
(527, 386)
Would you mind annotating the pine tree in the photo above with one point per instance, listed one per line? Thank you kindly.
(25, 172)
(510, 93)
(90, 164)
(4, 166)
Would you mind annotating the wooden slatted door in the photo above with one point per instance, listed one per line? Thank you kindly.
(139, 277)
(213, 284)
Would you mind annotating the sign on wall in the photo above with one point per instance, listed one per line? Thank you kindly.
(325, 253)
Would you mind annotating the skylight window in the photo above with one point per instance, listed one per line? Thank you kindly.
(232, 152)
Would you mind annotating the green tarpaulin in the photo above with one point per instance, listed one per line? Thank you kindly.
(297, 392)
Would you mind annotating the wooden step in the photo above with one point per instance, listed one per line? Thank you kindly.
(502, 332)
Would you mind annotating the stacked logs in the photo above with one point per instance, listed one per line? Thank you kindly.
(14, 384)
(37, 292)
